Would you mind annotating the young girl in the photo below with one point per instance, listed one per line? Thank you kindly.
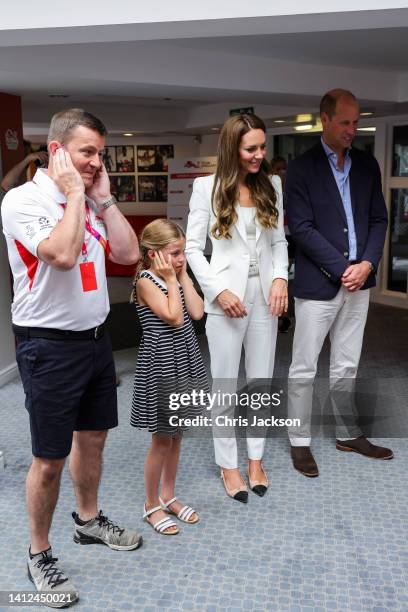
(169, 363)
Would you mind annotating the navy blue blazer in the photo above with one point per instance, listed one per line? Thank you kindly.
(318, 224)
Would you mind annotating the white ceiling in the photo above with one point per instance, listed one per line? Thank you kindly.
(281, 66)
(375, 49)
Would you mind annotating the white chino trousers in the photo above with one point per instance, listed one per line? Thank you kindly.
(226, 336)
(344, 317)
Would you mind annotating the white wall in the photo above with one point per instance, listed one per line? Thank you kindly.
(208, 145)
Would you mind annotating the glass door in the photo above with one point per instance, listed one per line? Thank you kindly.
(397, 278)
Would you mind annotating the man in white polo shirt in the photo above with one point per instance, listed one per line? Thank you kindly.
(58, 228)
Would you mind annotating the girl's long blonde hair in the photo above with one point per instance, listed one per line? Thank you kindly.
(225, 191)
(156, 235)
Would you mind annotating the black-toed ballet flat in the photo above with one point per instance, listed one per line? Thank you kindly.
(240, 494)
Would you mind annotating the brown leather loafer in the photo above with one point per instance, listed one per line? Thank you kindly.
(303, 461)
(364, 447)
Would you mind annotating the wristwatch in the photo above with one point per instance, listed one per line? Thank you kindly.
(108, 202)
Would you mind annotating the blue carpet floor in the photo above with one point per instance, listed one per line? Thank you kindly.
(338, 542)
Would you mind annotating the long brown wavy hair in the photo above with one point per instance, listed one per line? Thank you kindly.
(225, 191)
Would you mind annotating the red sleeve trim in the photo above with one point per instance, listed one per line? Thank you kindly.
(30, 261)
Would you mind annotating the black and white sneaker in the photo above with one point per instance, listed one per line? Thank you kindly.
(54, 587)
(101, 530)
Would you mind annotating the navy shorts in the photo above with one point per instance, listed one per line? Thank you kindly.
(70, 385)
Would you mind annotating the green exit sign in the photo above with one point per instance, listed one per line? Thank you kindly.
(249, 110)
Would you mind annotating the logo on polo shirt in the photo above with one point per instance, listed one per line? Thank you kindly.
(44, 223)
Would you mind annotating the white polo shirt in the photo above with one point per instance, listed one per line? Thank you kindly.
(43, 295)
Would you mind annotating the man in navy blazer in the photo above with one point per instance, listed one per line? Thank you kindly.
(338, 220)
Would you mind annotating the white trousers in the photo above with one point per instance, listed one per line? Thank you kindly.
(344, 317)
(256, 333)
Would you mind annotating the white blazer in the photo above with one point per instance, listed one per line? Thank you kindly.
(229, 265)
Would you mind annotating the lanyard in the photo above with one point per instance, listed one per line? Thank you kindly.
(91, 230)
(102, 241)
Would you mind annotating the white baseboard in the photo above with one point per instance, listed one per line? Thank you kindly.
(9, 373)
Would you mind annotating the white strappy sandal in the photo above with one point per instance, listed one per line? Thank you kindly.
(163, 524)
(185, 513)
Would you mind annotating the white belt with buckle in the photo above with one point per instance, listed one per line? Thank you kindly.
(253, 268)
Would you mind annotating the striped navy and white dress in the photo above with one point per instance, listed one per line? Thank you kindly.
(169, 362)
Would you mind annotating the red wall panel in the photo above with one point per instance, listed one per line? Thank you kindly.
(138, 223)
(11, 125)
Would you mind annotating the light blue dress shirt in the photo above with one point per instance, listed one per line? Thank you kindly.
(343, 183)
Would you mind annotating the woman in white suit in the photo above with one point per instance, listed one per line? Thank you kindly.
(245, 284)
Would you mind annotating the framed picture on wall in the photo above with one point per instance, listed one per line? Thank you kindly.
(152, 188)
(154, 158)
(146, 158)
(163, 154)
(146, 188)
(123, 188)
(125, 158)
(109, 159)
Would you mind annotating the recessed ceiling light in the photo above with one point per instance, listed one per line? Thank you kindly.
(214, 129)
(279, 121)
(304, 117)
(303, 128)
(366, 129)
(127, 134)
(366, 114)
